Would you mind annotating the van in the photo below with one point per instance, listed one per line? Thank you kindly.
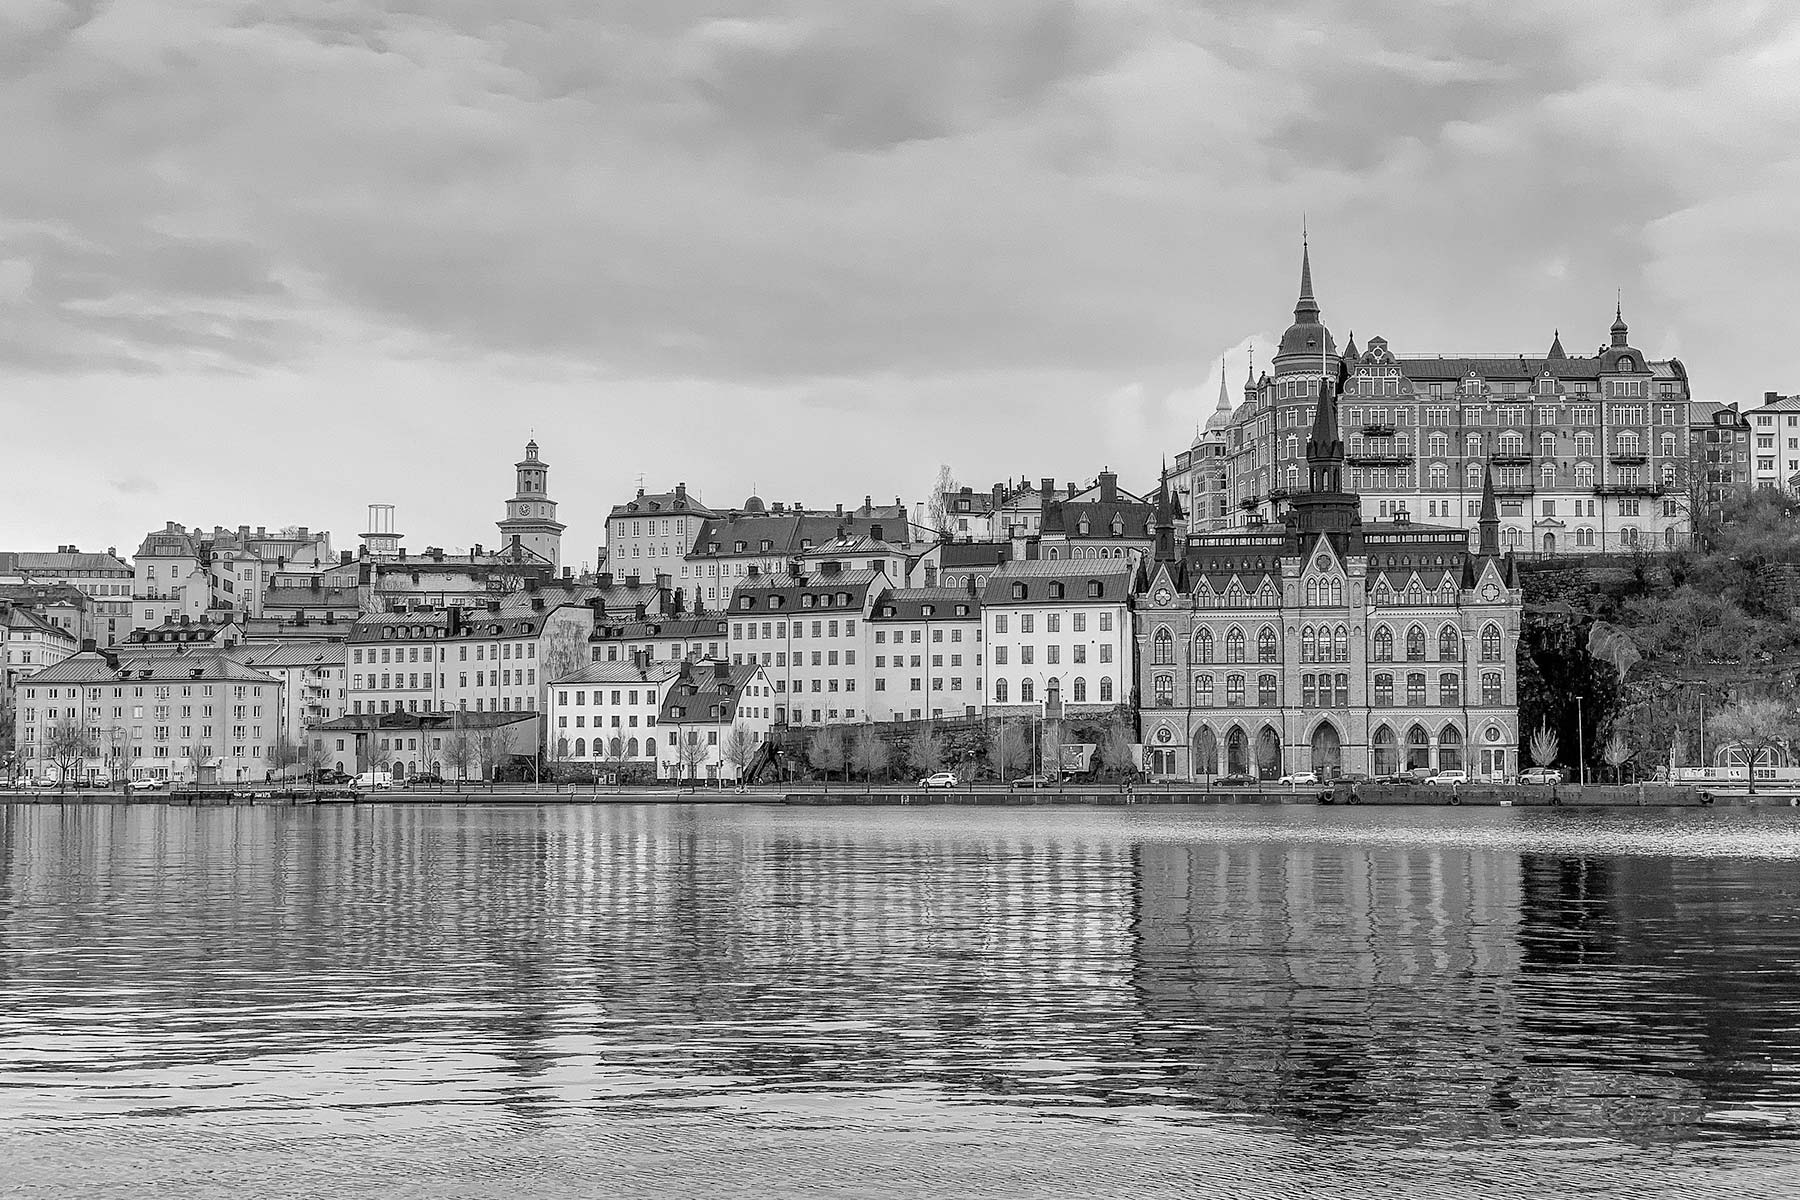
(375, 780)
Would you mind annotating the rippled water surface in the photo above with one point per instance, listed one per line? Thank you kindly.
(610, 1001)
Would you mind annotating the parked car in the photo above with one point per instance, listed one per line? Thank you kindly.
(1352, 777)
(1034, 781)
(1541, 776)
(147, 785)
(1237, 781)
(1448, 778)
(939, 779)
(1299, 779)
(426, 777)
(1415, 775)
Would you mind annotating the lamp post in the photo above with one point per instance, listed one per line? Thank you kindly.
(1580, 746)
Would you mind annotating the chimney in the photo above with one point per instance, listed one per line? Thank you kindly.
(110, 659)
(1109, 487)
(632, 580)
(840, 510)
(1771, 397)
(87, 645)
(753, 571)
(999, 496)
(930, 576)
(875, 532)
(794, 567)
(1047, 488)
(663, 581)
(343, 558)
(606, 579)
(317, 583)
(681, 491)
(1073, 491)
(537, 604)
(721, 670)
(641, 660)
(112, 552)
(869, 505)
(493, 606)
(780, 507)
(568, 573)
(531, 584)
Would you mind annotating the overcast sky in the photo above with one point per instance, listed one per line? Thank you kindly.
(268, 262)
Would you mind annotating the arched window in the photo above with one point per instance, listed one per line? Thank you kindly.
(1415, 644)
(1266, 685)
(1165, 690)
(1163, 648)
(1491, 687)
(1203, 646)
(1234, 691)
(1474, 476)
(1490, 643)
(1418, 747)
(1384, 690)
(1312, 592)
(580, 747)
(1234, 645)
(999, 691)
(1309, 645)
(1106, 689)
(631, 748)
(1387, 753)
(1384, 644)
(1206, 752)
(1584, 474)
(1080, 689)
(1340, 644)
(1509, 538)
(1027, 691)
(1450, 756)
(1415, 688)
(1237, 752)
(1266, 650)
(650, 747)
(1203, 691)
(1335, 589)
(618, 748)
(1449, 689)
(1439, 474)
(1449, 645)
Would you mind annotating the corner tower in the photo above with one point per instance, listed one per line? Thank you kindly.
(531, 514)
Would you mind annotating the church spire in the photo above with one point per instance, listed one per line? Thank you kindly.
(1489, 520)
(1324, 448)
(1306, 309)
(1165, 519)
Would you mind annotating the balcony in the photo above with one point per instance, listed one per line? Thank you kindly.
(1522, 488)
(1511, 458)
(1630, 488)
(1378, 429)
(1278, 493)
(1249, 503)
(1380, 458)
(1627, 460)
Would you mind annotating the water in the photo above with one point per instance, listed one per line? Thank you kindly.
(681, 1001)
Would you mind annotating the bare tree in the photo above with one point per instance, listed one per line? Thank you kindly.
(1117, 752)
(739, 749)
(196, 757)
(1543, 746)
(67, 743)
(317, 759)
(868, 754)
(1757, 725)
(690, 753)
(380, 755)
(825, 751)
(119, 745)
(1617, 752)
(491, 749)
(926, 753)
(937, 508)
(459, 747)
(564, 651)
(1007, 752)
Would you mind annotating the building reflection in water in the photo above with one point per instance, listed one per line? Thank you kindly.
(549, 960)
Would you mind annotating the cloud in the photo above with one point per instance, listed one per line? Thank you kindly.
(916, 226)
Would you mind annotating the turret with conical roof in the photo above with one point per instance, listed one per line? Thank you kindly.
(1221, 417)
(1307, 344)
(1324, 507)
(1165, 519)
(1556, 347)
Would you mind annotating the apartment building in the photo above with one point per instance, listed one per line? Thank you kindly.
(105, 579)
(925, 654)
(1058, 634)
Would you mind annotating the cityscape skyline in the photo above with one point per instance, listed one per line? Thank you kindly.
(1022, 258)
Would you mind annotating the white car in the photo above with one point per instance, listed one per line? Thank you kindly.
(1300, 779)
(1449, 778)
(146, 785)
(941, 779)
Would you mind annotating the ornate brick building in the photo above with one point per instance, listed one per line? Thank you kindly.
(1326, 641)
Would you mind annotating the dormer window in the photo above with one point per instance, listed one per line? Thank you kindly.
(928, 609)
(1056, 590)
(1018, 591)
(1081, 527)
(1093, 589)
(1118, 525)
(740, 547)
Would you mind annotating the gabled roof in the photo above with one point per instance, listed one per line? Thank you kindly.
(661, 504)
(299, 597)
(625, 671)
(972, 554)
(702, 685)
(295, 654)
(908, 604)
(1113, 575)
(92, 667)
(44, 594)
(25, 620)
(672, 628)
(58, 562)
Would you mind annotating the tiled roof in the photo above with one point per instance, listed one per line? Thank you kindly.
(1113, 576)
(91, 666)
(58, 562)
(661, 503)
(973, 554)
(296, 654)
(24, 619)
(711, 683)
(908, 604)
(626, 671)
(673, 627)
(299, 597)
(44, 593)
(474, 722)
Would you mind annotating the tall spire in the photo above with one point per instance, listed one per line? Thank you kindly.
(1489, 520)
(1165, 519)
(1619, 331)
(1306, 309)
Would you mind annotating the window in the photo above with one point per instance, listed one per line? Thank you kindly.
(1490, 643)
(1384, 644)
(1203, 646)
(1234, 691)
(1080, 689)
(1165, 690)
(1266, 690)
(1234, 646)
(1415, 688)
(1491, 687)
(1163, 648)
(1203, 690)
(1415, 644)
(1000, 691)
(1266, 647)
(1025, 691)
(1449, 645)
(1449, 689)
(1106, 687)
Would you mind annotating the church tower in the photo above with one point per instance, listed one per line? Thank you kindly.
(531, 514)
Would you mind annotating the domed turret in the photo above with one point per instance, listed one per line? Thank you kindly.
(1221, 417)
(1307, 344)
(755, 505)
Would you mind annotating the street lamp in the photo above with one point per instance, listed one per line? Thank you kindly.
(1580, 746)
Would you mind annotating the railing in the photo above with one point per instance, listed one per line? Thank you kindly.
(1629, 489)
(1514, 489)
(1278, 493)
(1627, 460)
(1391, 458)
(1514, 458)
(1379, 429)
(1249, 503)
